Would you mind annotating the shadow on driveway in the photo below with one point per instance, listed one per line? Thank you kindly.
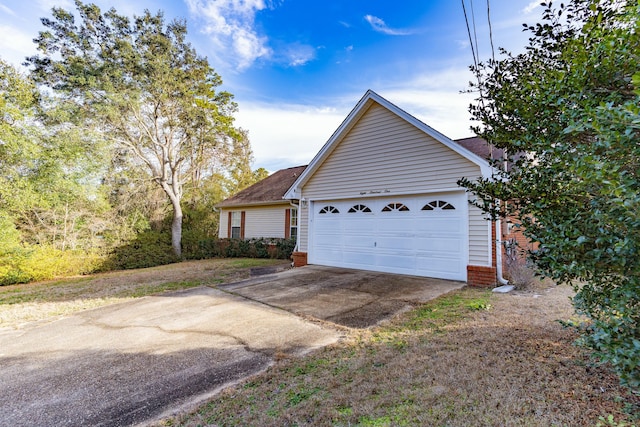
(352, 298)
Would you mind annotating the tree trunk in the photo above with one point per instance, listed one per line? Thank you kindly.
(176, 229)
(176, 223)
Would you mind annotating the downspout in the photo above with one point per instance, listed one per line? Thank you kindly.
(499, 245)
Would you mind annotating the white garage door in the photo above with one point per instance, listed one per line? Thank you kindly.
(422, 236)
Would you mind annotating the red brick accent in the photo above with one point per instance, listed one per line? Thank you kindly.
(299, 259)
(478, 275)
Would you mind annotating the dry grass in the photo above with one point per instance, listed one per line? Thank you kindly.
(470, 358)
(22, 305)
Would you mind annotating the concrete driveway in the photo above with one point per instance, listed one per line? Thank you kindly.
(134, 362)
(353, 298)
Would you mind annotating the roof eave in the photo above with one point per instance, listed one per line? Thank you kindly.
(264, 203)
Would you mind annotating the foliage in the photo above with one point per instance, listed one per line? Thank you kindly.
(142, 85)
(44, 262)
(50, 210)
(567, 111)
(240, 248)
(148, 249)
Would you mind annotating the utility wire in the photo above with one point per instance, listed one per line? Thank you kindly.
(473, 49)
(493, 53)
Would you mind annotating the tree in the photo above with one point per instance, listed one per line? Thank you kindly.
(567, 110)
(141, 84)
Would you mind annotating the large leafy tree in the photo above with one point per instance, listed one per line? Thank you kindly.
(567, 110)
(47, 171)
(142, 85)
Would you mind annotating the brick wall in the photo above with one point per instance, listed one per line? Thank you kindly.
(479, 275)
(299, 259)
(515, 244)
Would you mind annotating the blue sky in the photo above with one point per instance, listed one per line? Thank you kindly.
(297, 67)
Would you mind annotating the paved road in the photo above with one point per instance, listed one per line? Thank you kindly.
(130, 363)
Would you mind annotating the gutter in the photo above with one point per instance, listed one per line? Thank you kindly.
(499, 245)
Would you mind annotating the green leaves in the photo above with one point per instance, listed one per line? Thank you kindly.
(140, 85)
(571, 103)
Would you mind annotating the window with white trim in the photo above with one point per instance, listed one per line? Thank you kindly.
(236, 224)
(293, 224)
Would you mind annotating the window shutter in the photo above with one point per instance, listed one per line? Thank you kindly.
(287, 223)
(229, 226)
(242, 218)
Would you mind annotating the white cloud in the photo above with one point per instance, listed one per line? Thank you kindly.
(230, 25)
(287, 135)
(380, 26)
(7, 10)
(47, 5)
(531, 7)
(15, 45)
(299, 54)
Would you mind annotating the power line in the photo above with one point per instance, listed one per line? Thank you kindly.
(493, 53)
(473, 47)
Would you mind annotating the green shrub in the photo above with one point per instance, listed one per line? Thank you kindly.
(148, 249)
(239, 248)
(29, 264)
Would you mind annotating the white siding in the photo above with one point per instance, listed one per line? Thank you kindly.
(386, 155)
(265, 221)
(224, 223)
(478, 235)
(260, 221)
(303, 223)
(384, 152)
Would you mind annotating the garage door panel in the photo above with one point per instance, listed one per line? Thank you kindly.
(360, 258)
(396, 260)
(355, 226)
(438, 225)
(406, 242)
(442, 244)
(395, 224)
(328, 255)
(359, 241)
(426, 243)
(435, 266)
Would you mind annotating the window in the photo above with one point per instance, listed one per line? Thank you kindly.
(395, 207)
(293, 224)
(329, 209)
(438, 204)
(236, 225)
(359, 208)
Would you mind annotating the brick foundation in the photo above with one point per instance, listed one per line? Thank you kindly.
(481, 276)
(299, 259)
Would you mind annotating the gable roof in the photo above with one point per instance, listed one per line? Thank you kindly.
(354, 116)
(268, 191)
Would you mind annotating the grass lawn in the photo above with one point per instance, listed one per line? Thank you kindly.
(22, 305)
(469, 358)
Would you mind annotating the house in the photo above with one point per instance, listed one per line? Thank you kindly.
(261, 210)
(380, 195)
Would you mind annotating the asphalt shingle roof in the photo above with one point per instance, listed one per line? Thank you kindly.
(270, 189)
